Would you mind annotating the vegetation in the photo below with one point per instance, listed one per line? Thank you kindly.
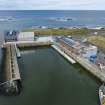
(62, 31)
(98, 41)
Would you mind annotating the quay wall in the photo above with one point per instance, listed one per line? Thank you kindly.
(27, 43)
(63, 54)
(15, 67)
(7, 65)
(11, 69)
(90, 67)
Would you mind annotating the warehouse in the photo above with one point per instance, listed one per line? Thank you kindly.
(26, 36)
(11, 36)
(70, 44)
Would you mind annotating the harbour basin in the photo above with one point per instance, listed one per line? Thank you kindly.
(49, 79)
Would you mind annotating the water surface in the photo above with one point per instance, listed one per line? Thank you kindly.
(49, 79)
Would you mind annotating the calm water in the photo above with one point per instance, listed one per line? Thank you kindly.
(48, 79)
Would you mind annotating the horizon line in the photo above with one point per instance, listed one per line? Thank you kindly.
(52, 10)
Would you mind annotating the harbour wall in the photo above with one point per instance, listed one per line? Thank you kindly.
(22, 44)
(90, 67)
(63, 54)
(11, 74)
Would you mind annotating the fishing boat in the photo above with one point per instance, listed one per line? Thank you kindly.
(102, 94)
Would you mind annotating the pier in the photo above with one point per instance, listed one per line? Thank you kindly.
(11, 71)
(63, 54)
(11, 65)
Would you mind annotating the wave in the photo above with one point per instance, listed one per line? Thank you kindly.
(62, 19)
(6, 19)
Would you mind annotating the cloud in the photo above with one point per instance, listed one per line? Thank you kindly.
(51, 4)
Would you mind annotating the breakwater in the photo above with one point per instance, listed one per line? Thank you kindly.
(11, 73)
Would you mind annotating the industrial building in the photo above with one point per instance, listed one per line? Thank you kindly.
(11, 36)
(25, 36)
(71, 44)
(87, 51)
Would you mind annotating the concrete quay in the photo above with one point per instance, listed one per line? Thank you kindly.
(27, 43)
(63, 54)
(90, 67)
(11, 75)
(11, 66)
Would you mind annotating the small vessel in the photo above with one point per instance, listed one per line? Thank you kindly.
(102, 94)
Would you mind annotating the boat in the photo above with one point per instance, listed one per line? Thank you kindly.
(102, 94)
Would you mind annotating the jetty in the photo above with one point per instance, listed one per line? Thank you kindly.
(11, 64)
(63, 54)
(11, 74)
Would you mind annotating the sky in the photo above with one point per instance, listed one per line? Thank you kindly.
(52, 4)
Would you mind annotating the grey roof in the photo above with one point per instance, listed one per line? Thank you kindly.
(68, 41)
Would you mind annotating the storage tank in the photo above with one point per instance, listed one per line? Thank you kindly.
(26, 36)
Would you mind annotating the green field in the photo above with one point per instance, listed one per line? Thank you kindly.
(83, 32)
(98, 41)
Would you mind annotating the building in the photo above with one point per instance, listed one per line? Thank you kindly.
(10, 36)
(26, 36)
(71, 44)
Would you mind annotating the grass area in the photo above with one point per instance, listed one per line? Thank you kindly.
(72, 32)
(98, 41)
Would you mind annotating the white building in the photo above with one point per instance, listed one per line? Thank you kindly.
(25, 36)
(45, 39)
